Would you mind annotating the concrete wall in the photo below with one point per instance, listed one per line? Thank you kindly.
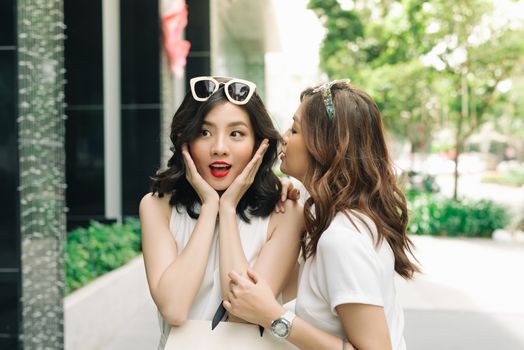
(96, 312)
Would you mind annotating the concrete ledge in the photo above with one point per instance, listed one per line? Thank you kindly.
(94, 313)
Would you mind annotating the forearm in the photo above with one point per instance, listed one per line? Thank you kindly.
(304, 335)
(180, 282)
(231, 252)
(307, 337)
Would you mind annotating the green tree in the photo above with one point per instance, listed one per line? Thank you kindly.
(477, 56)
(422, 60)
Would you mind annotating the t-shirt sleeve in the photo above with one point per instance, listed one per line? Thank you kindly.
(348, 269)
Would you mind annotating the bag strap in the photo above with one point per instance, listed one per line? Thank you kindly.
(219, 316)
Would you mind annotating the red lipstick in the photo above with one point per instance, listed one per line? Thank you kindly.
(219, 168)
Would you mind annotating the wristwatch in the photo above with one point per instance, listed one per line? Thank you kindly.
(281, 327)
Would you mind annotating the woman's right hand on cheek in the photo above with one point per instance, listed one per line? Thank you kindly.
(207, 194)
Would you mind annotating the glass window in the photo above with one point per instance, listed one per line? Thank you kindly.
(140, 44)
(197, 30)
(8, 161)
(7, 23)
(140, 155)
(85, 162)
(9, 343)
(9, 304)
(83, 52)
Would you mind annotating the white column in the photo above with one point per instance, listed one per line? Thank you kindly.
(112, 143)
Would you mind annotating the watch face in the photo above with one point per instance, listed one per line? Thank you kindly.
(280, 329)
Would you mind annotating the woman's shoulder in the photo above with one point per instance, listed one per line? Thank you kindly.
(349, 226)
(293, 215)
(292, 209)
(153, 203)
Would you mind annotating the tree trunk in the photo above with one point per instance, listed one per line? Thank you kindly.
(459, 138)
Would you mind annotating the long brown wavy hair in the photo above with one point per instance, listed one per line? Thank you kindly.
(351, 171)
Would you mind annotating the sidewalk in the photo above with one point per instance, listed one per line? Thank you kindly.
(142, 331)
(470, 296)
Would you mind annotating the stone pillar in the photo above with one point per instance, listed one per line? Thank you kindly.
(40, 28)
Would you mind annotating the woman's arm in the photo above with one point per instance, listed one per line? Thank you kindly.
(289, 292)
(252, 299)
(278, 255)
(174, 279)
(365, 325)
(231, 253)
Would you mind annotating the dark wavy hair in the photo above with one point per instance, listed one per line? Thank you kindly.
(263, 194)
(351, 170)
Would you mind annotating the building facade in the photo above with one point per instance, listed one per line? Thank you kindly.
(85, 104)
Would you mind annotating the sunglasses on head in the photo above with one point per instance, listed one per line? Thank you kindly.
(237, 91)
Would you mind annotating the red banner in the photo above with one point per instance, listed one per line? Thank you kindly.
(174, 20)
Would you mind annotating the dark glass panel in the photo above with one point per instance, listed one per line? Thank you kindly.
(9, 343)
(85, 163)
(197, 66)
(140, 44)
(7, 23)
(83, 52)
(197, 30)
(198, 34)
(140, 155)
(8, 303)
(8, 161)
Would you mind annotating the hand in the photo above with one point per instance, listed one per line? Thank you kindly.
(206, 193)
(288, 192)
(252, 299)
(240, 185)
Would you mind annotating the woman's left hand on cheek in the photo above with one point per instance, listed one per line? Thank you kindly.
(252, 299)
(240, 185)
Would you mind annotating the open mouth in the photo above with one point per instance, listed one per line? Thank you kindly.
(220, 169)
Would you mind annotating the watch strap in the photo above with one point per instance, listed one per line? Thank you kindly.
(289, 316)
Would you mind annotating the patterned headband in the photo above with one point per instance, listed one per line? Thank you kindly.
(325, 90)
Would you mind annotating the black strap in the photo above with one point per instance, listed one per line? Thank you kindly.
(219, 316)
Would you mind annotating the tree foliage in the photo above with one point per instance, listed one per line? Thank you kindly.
(428, 64)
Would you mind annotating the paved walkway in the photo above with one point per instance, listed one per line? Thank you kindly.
(470, 296)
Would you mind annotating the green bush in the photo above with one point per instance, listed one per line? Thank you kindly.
(97, 249)
(435, 215)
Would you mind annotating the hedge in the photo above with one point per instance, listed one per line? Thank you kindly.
(436, 215)
(97, 249)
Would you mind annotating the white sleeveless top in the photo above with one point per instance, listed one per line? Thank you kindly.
(253, 236)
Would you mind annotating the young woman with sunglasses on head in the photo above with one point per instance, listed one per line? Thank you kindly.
(212, 210)
(355, 238)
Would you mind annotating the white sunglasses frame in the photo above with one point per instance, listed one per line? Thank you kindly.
(252, 87)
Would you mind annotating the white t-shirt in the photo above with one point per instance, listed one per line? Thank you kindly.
(349, 268)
